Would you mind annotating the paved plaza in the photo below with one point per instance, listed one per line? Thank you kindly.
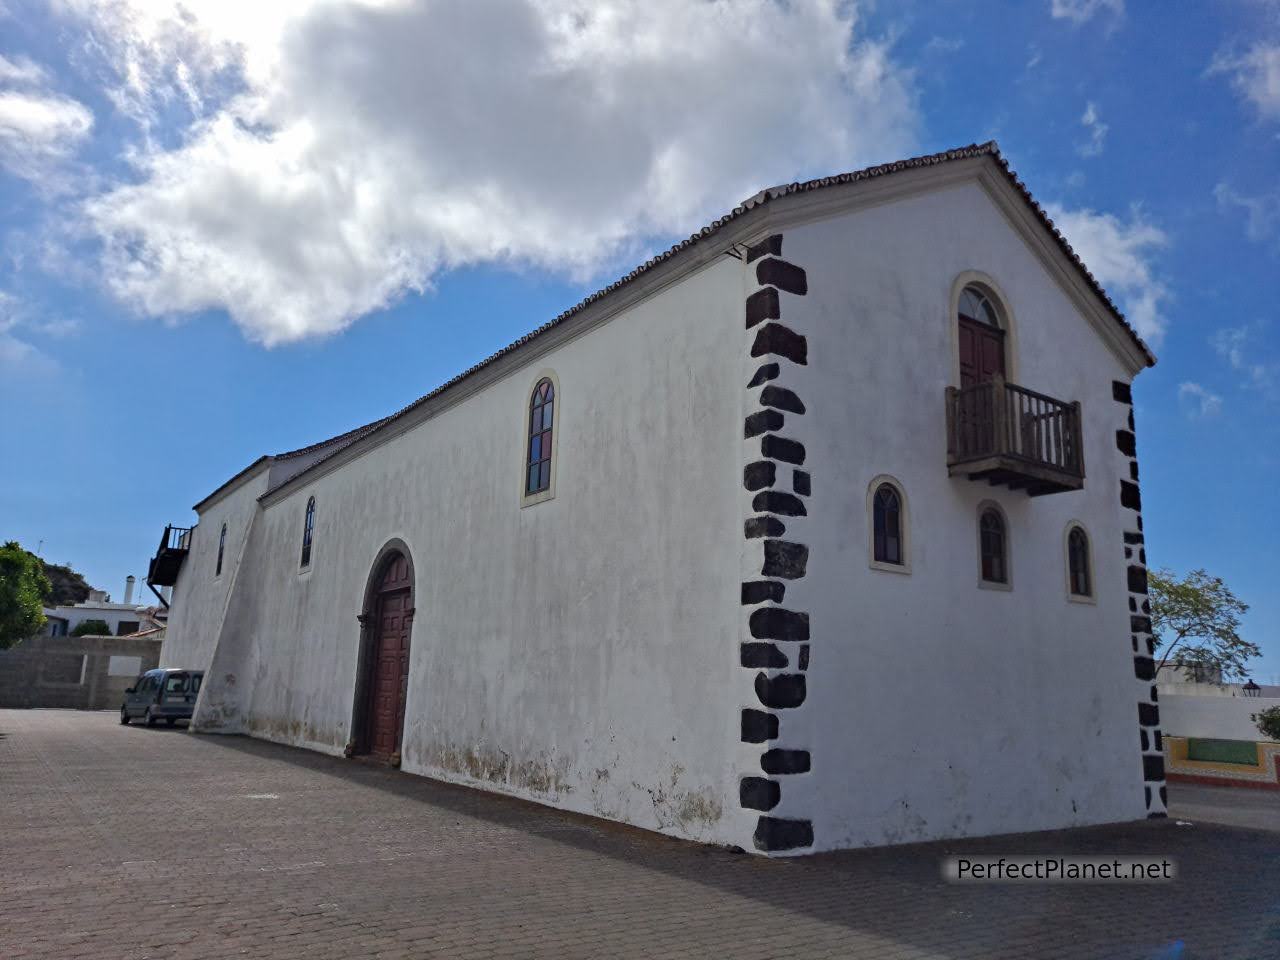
(128, 842)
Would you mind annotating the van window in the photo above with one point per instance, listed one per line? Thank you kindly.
(195, 682)
(176, 683)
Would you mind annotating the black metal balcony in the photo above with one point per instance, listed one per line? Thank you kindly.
(164, 566)
(1007, 434)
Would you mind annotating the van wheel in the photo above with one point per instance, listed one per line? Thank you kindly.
(124, 716)
(171, 720)
(151, 720)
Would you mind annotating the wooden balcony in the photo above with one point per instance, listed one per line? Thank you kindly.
(1007, 434)
(164, 566)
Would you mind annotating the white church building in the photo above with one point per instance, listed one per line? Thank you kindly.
(819, 530)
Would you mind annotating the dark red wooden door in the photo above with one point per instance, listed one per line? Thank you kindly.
(981, 352)
(389, 679)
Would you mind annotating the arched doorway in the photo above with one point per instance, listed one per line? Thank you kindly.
(383, 680)
(981, 338)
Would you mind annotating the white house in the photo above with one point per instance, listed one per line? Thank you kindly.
(121, 619)
(819, 530)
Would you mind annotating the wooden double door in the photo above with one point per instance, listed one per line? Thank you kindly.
(388, 661)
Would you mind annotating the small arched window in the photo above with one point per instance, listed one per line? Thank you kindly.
(1078, 571)
(222, 543)
(886, 522)
(976, 305)
(541, 421)
(308, 528)
(995, 549)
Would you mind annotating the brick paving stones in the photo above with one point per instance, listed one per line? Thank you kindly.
(127, 842)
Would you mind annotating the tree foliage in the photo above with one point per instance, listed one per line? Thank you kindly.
(69, 587)
(1268, 722)
(91, 628)
(1196, 620)
(23, 588)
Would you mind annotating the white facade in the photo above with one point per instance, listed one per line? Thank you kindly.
(65, 618)
(588, 650)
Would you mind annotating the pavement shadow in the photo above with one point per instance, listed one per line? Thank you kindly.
(897, 894)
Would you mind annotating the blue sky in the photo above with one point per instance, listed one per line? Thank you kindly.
(245, 228)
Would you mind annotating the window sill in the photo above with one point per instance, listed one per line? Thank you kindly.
(304, 572)
(1078, 598)
(529, 499)
(993, 585)
(889, 567)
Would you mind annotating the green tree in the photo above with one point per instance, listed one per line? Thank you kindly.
(91, 628)
(69, 587)
(23, 588)
(1268, 722)
(1196, 620)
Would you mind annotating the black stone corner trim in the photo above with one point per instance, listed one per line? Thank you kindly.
(775, 501)
(769, 246)
(758, 726)
(783, 692)
(784, 559)
(1144, 668)
(783, 275)
(1148, 714)
(1152, 769)
(777, 623)
(762, 591)
(800, 482)
(1129, 495)
(1137, 579)
(763, 656)
(765, 373)
(775, 338)
(763, 527)
(762, 421)
(782, 398)
(763, 305)
(757, 793)
(776, 834)
(1126, 443)
(758, 475)
(779, 761)
(780, 448)
(1121, 391)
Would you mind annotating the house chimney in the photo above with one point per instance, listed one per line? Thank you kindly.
(129, 581)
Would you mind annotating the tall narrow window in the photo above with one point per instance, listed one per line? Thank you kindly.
(1078, 563)
(541, 418)
(995, 557)
(308, 526)
(887, 525)
(222, 542)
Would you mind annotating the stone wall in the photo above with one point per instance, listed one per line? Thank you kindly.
(77, 673)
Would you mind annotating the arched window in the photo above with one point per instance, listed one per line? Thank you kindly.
(1078, 572)
(222, 543)
(886, 525)
(976, 305)
(541, 421)
(995, 549)
(308, 527)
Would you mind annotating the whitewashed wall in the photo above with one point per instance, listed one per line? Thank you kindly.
(937, 708)
(577, 651)
(1223, 718)
(199, 601)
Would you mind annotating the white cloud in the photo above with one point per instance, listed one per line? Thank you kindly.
(1120, 255)
(1081, 11)
(18, 358)
(343, 152)
(1198, 401)
(20, 70)
(1262, 211)
(1255, 74)
(1238, 346)
(1096, 129)
(39, 129)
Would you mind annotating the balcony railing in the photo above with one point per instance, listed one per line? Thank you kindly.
(164, 567)
(1010, 435)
